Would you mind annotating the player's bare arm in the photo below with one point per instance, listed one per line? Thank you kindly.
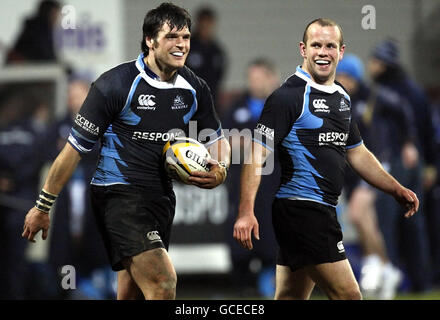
(246, 222)
(220, 152)
(59, 173)
(370, 169)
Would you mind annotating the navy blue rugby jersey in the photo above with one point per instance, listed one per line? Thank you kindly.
(311, 127)
(134, 115)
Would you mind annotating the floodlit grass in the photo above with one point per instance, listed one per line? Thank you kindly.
(432, 295)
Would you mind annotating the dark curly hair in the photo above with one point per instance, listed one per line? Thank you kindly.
(165, 13)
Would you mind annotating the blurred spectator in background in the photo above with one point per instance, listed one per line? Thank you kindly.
(386, 126)
(432, 202)
(406, 239)
(36, 39)
(252, 270)
(207, 58)
(74, 238)
(22, 128)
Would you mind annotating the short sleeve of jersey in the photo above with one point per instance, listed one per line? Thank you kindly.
(354, 136)
(208, 123)
(280, 111)
(92, 120)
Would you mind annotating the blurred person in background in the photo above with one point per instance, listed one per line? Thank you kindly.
(21, 158)
(207, 57)
(35, 42)
(406, 240)
(262, 79)
(74, 238)
(387, 128)
(432, 202)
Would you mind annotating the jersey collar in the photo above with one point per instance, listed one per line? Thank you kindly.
(328, 89)
(303, 72)
(142, 67)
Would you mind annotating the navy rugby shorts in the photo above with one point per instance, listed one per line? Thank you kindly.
(307, 232)
(132, 220)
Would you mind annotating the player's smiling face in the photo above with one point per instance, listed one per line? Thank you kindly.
(322, 53)
(168, 51)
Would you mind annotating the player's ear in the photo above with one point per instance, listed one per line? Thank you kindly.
(150, 42)
(302, 49)
(341, 52)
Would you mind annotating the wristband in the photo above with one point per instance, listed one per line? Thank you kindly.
(45, 201)
(223, 165)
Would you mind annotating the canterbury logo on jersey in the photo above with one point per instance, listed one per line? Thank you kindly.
(146, 102)
(320, 106)
(153, 236)
(340, 247)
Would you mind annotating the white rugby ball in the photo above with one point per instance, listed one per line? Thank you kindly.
(185, 155)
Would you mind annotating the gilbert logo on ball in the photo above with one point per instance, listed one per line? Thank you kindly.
(185, 155)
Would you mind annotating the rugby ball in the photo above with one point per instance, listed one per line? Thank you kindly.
(183, 156)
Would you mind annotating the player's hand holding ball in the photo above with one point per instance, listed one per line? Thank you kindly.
(188, 161)
(211, 179)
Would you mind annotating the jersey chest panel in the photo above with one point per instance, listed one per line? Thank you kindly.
(313, 152)
(155, 112)
(325, 121)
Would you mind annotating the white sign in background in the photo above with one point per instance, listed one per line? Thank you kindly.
(89, 36)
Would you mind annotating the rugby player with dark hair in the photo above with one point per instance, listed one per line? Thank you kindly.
(308, 122)
(133, 109)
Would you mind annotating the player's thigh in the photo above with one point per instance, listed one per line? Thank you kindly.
(127, 287)
(151, 268)
(361, 203)
(336, 279)
(292, 284)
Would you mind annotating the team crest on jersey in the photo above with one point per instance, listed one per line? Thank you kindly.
(178, 103)
(344, 106)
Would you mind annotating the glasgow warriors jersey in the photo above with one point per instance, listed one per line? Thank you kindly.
(134, 114)
(311, 127)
